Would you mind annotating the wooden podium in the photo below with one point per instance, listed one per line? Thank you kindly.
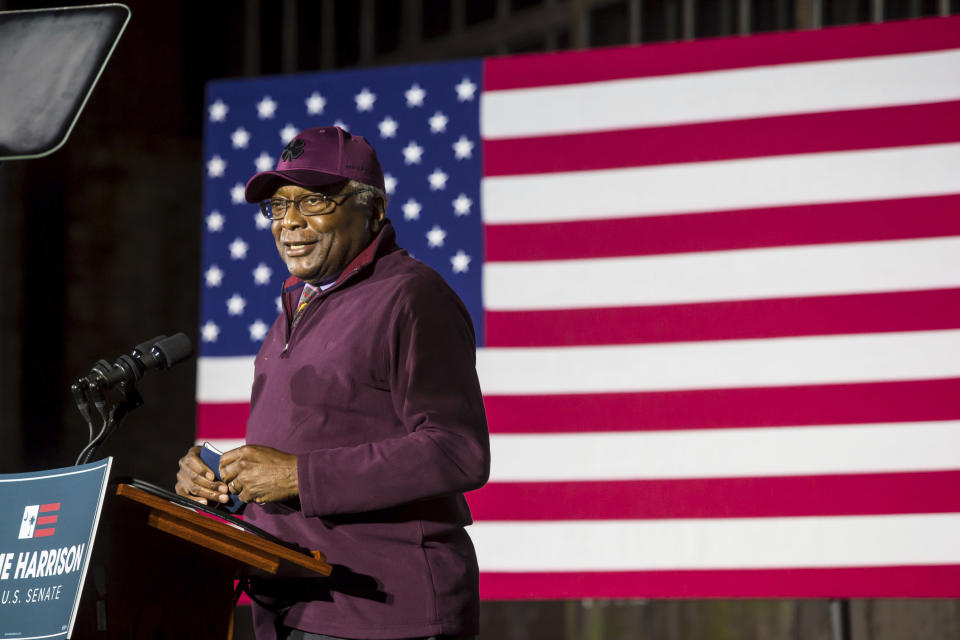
(160, 570)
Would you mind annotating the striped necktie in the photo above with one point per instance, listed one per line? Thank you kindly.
(309, 293)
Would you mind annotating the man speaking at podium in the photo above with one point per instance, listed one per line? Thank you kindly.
(366, 420)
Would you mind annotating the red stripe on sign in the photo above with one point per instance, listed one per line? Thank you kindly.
(53, 506)
(861, 582)
(892, 38)
(866, 494)
(823, 315)
(47, 520)
(725, 230)
(43, 533)
(917, 400)
(706, 142)
(222, 419)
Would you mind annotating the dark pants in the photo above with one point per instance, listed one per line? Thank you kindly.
(296, 634)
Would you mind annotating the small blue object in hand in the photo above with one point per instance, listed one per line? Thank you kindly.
(211, 457)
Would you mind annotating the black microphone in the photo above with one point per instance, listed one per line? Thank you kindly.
(159, 353)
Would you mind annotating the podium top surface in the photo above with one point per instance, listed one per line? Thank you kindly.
(222, 537)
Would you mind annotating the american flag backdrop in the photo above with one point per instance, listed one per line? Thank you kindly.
(716, 286)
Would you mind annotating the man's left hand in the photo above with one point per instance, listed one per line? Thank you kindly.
(260, 474)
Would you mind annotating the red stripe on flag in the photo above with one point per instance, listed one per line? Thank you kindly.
(53, 506)
(918, 400)
(770, 136)
(43, 533)
(222, 419)
(46, 520)
(762, 497)
(891, 38)
(861, 582)
(822, 315)
(724, 230)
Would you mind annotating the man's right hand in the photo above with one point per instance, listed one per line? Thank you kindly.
(196, 481)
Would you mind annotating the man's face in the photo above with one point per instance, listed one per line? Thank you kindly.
(316, 247)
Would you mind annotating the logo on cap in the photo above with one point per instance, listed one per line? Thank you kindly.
(293, 150)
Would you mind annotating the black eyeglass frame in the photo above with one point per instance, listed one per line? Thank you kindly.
(266, 205)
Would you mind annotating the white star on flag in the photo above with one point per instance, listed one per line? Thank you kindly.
(264, 162)
(341, 124)
(411, 209)
(412, 153)
(238, 249)
(315, 104)
(215, 221)
(209, 331)
(435, 236)
(288, 133)
(388, 127)
(261, 275)
(261, 221)
(461, 206)
(213, 276)
(389, 184)
(236, 304)
(463, 148)
(415, 96)
(365, 100)
(438, 122)
(465, 90)
(216, 166)
(266, 108)
(236, 193)
(460, 262)
(218, 111)
(277, 301)
(240, 138)
(258, 330)
(438, 180)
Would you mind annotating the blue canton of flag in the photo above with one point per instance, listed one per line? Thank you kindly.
(423, 122)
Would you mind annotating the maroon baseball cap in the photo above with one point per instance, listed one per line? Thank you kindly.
(319, 156)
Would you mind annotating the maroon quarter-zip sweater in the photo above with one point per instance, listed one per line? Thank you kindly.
(375, 390)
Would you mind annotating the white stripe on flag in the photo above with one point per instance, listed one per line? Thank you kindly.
(721, 364)
(722, 95)
(812, 178)
(224, 379)
(749, 274)
(912, 355)
(726, 453)
(732, 543)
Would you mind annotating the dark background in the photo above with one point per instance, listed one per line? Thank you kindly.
(100, 244)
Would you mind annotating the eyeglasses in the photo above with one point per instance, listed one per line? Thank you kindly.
(308, 204)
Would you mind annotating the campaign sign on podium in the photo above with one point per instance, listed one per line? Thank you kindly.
(48, 520)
